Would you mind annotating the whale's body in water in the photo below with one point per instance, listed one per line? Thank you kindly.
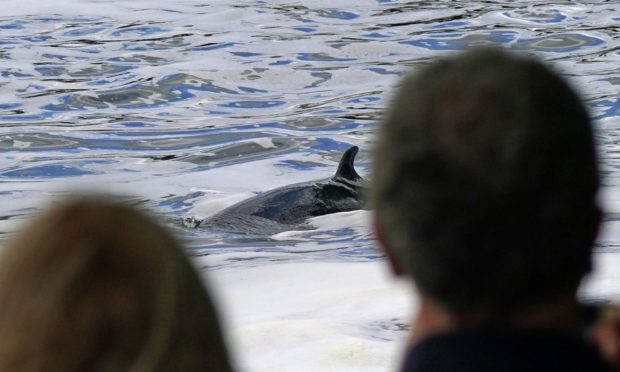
(288, 207)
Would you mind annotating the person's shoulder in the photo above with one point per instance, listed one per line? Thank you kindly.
(483, 350)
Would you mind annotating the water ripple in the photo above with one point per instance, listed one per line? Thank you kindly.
(179, 101)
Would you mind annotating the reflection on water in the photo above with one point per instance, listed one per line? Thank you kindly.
(185, 103)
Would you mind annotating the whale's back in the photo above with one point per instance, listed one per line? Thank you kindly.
(289, 207)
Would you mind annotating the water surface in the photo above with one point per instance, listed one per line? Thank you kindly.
(183, 103)
(187, 106)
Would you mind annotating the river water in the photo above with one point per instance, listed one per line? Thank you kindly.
(187, 106)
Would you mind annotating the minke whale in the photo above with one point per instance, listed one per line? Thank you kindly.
(288, 207)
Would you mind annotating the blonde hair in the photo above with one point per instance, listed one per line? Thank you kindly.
(93, 285)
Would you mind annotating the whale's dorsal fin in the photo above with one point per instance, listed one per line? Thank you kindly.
(345, 168)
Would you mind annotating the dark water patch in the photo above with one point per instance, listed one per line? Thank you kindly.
(366, 251)
(338, 102)
(556, 43)
(245, 54)
(83, 31)
(604, 108)
(253, 104)
(9, 106)
(321, 57)
(48, 71)
(312, 245)
(183, 142)
(100, 69)
(46, 172)
(460, 41)
(138, 59)
(14, 73)
(322, 77)
(537, 15)
(142, 141)
(37, 142)
(83, 44)
(316, 123)
(337, 14)
(138, 31)
(252, 90)
(364, 100)
(168, 42)
(281, 63)
(450, 24)
(22, 117)
(49, 92)
(384, 71)
(300, 165)
(377, 35)
(39, 38)
(180, 202)
(560, 43)
(140, 95)
(52, 57)
(211, 46)
(136, 124)
(305, 29)
(240, 152)
(12, 25)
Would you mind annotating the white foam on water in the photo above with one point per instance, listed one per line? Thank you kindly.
(215, 202)
(604, 282)
(298, 235)
(314, 316)
(21, 144)
(266, 143)
(357, 218)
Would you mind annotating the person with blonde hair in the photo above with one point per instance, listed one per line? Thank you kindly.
(94, 285)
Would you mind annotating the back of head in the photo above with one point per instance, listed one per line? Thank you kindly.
(93, 285)
(485, 182)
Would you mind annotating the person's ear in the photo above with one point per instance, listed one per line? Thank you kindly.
(385, 247)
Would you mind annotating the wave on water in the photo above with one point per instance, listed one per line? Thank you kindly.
(183, 104)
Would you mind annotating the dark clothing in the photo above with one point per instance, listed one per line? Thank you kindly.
(505, 351)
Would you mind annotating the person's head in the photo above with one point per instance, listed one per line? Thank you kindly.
(93, 285)
(485, 182)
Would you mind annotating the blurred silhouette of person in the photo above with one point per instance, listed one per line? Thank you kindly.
(93, 285)
(485, 189)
